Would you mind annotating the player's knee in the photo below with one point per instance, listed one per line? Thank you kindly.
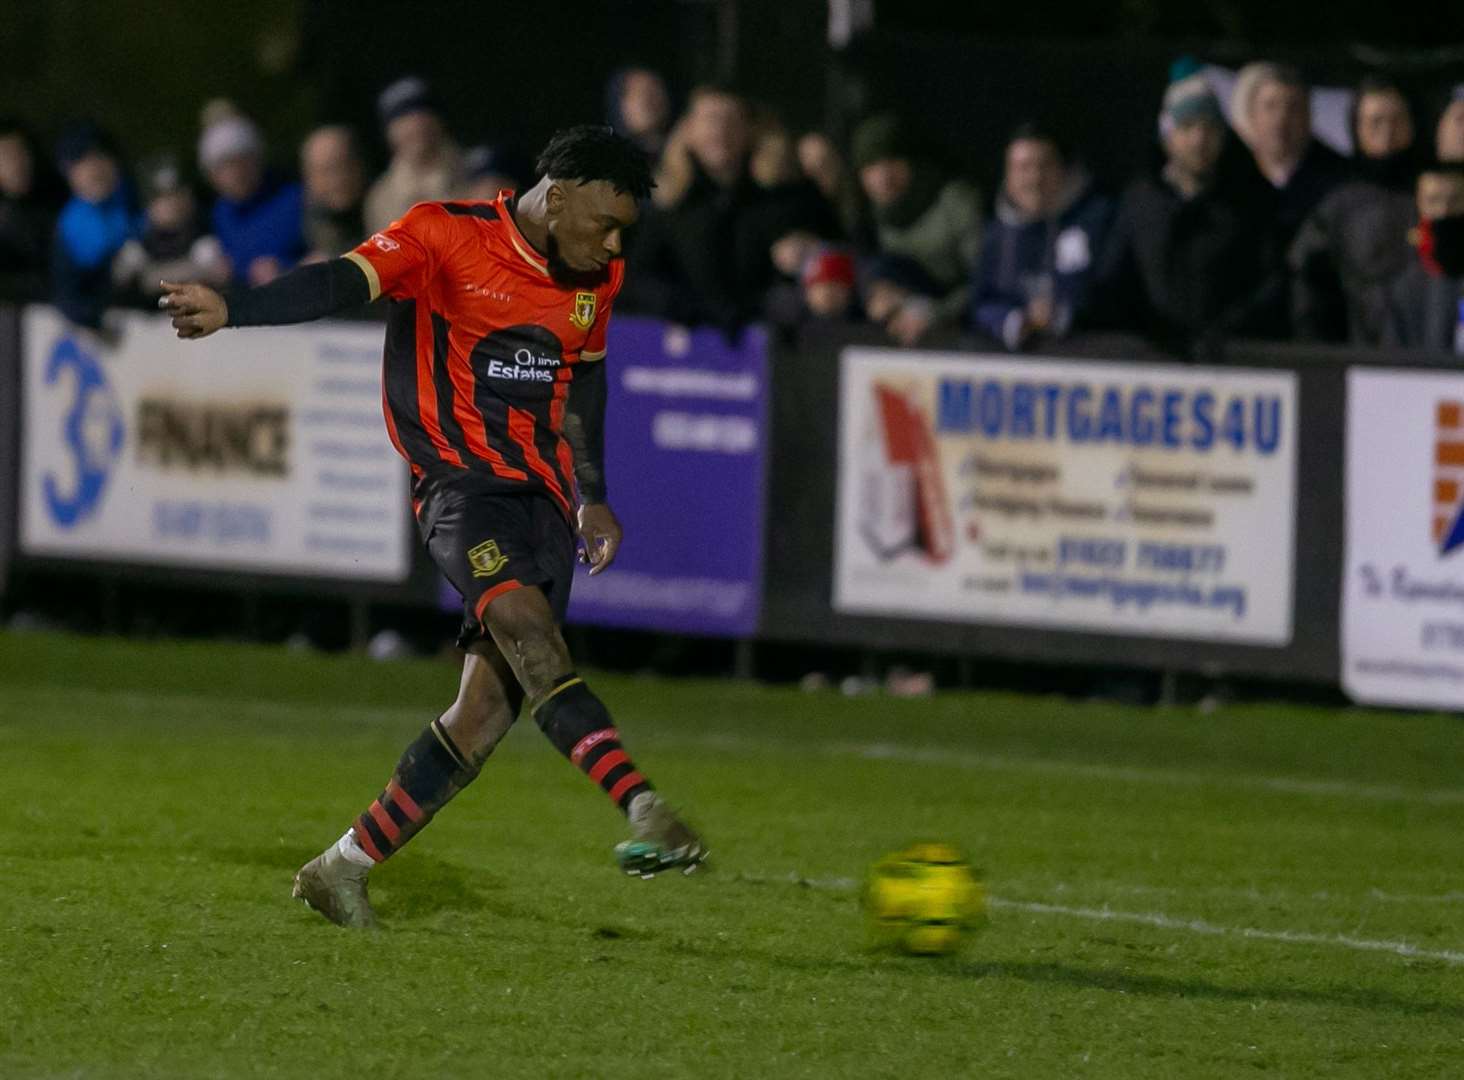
(486, 707)
(523, 626)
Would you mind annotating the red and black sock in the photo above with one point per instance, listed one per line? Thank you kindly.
(430, 773)
(579, 726)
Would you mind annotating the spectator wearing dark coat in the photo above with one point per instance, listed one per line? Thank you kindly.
(172, 244)
(1042, 247)
(27, 215)
(1355, 242)
(1426, 301)
(258, 215)
(638, 105)
(95, 224)
(1189, 254)
(334, 189)
(705, 249)
(490, 168)
(1271, 110)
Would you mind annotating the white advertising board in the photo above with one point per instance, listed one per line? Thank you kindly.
(1097, 496)
(1403, 574)
(260, 450)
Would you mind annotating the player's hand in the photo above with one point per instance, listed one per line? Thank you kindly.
(197, 310)
(600, 530)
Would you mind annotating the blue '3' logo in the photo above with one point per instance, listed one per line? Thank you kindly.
(92, 430)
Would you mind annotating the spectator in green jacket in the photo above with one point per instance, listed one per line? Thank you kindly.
(921, 214)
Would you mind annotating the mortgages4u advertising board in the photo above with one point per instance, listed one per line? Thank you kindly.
(1098, 496)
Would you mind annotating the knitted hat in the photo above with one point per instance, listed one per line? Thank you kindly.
(80, 140)
(231, 137)
(880, 138)
(491, 160)
(1190, 99)
(159, 175)
(404, 96)
(828, 266)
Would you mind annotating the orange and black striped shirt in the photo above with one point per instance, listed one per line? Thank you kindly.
(481, 345)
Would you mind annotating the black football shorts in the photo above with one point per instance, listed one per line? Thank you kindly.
(489, 543)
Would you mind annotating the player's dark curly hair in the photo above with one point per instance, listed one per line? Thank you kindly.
(595, 152)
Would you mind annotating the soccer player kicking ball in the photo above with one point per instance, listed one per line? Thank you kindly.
(494, 392)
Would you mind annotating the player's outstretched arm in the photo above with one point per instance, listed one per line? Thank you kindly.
(305, 293)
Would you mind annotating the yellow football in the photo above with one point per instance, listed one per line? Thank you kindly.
(923, 899)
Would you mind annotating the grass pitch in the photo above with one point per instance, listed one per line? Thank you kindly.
(1267, 890)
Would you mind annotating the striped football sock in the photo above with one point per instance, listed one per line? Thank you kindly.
(579, 726)
(430, 773)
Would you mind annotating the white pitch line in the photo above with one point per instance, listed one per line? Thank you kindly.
(1200, 926)
(951, 757)
(1156, 919)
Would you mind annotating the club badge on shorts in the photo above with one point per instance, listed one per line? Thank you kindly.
(584, 310)
(485, 559)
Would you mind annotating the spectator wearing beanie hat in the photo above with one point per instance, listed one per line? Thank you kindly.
(257, 215)
(172, 245)
(490, 169)
(919, 214)
(828, 284)
(824, 292)
(94, 224)
(1189, 253)
(425, 163)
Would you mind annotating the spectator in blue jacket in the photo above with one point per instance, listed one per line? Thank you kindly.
(94, 224)
(1039, 251)
(258, 216)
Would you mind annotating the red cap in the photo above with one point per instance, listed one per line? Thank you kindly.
(829, 265)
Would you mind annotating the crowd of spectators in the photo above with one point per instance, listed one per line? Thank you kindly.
(1246, 224)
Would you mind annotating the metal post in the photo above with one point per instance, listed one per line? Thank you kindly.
(360, 624)
(744, 659)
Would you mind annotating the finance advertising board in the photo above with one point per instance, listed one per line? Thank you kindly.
(261, 450)
(1097, 496)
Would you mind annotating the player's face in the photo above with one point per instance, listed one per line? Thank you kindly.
(587, 223)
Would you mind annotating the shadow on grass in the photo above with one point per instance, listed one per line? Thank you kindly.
(283, 857)
(1145, 985)
(1087, 978)
(425, 887)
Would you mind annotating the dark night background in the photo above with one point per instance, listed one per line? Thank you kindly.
(964, 73)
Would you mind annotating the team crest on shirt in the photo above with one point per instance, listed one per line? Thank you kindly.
(584, 310)
(485, 559)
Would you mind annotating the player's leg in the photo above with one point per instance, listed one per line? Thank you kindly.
(439, 763)
(575, 720)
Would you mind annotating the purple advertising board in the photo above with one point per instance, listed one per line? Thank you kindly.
(685, 455)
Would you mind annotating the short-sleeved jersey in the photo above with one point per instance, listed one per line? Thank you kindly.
(481, 345)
